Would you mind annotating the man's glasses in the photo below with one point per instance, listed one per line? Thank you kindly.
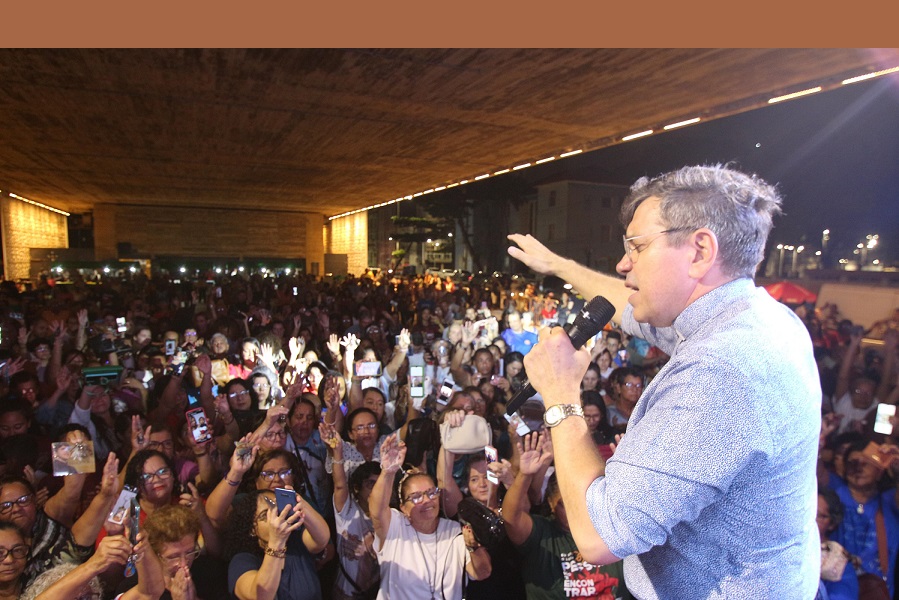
(631, 250)
(283, 474)
(270, 435)
(417, 498)
(25, 500)
(18, 552)
(631, 384)
(236, 395)
(163, 444)
(163, 473)
(363, 428)
(188, 557)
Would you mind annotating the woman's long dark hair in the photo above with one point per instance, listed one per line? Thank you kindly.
(239, 535)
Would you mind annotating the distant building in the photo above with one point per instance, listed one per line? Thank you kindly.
(577, 219)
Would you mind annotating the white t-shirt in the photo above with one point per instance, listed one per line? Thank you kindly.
(412, 563)
(843, 406)
(355, 535)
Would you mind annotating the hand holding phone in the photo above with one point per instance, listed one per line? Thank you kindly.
(492, 457)
(285, 497)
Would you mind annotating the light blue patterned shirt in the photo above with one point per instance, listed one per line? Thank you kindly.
(712, 491)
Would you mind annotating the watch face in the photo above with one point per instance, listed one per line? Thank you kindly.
(553, 415)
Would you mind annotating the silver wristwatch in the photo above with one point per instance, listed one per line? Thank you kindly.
(556, 414)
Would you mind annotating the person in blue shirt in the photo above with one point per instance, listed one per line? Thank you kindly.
(516, 337)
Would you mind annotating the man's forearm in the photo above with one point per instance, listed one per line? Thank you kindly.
(592, 283)
(578, 464)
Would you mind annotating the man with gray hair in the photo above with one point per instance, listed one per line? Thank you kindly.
(711, 493)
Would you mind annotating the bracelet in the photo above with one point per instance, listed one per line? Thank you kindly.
(232, 483)
(276, 553)
(337, 462)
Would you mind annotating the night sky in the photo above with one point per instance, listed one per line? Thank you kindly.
(834, 156)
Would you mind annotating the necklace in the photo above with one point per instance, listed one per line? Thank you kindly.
(432, 583)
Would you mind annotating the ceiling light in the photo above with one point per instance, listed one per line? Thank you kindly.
(452, 185)
(38, 204)
(463, 182)
(519, 167)
(681, 124)
(417, 195)
(572, 153)
(428, 191)
(870, 75)
(795, 95)
(480, 177)
(634, 136)
(441, 188)
(501, 172)
(545, 160)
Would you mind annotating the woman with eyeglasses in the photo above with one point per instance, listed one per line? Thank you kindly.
(271, 552)
(53, 541)
(258, 471)
(152, 474)
(13, 559)
(421, 555)
(364, 442)
(244, 410)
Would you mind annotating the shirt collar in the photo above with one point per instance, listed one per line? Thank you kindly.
(710, 305)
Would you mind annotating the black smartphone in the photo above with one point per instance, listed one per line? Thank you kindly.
(285, 497)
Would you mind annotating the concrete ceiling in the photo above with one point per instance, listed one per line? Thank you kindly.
(334, 130)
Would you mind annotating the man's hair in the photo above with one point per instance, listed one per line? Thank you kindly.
(42, 582)
(169, 524)
(737, 207)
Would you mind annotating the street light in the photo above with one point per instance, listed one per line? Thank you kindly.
(780, 261)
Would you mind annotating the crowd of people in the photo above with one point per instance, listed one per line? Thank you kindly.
(287, 437)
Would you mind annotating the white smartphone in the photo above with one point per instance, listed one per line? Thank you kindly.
(882, 418)
(492, 457)
(446, 391)
(367, 368)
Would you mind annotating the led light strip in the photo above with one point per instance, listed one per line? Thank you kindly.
(626, 138)
(50, 208)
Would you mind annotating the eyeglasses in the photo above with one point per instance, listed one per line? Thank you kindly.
(417, 498)
(283, 474)
(362, 428)
(631, 384)
(188, 557)
(163, 444)
(163, 473)
(25, 500)
(270, 435)
(236, 395)
(261, 386)
(632, 250)
(18, 552)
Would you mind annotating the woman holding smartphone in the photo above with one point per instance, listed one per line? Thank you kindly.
(271, 552)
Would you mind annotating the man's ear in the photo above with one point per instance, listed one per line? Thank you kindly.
(704, 246)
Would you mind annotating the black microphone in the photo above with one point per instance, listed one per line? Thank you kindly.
(588, 323)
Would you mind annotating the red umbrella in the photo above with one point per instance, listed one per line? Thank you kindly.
(790, 293)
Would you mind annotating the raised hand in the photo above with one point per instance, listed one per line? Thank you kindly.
(191, 499)
(82, 318)
(469, 333)
(350, 342)
(332, 440)
(109, 481)
(112, 550)
(281, 525)
(140, 438)
(333, 344)
(534, 254)
(503, 471)
(203, 364)
(532, 456)
(393, 453)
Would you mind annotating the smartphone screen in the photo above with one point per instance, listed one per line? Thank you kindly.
(169, 347)
(882, 418)
(121, 327)
(446, 391)
(367, 368)
(198, 424)
(284, 497)
(417, 381)
(492, 457)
